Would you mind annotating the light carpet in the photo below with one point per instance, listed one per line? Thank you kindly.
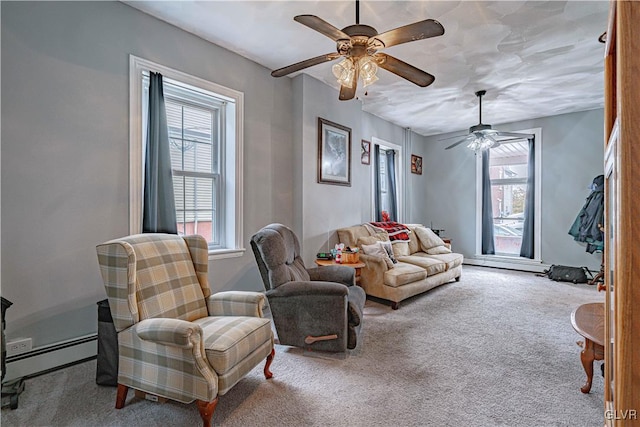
(495, 349)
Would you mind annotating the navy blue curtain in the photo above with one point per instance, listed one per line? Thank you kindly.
(488, 246)
(159, 212)
(391, 187)
(378, 198)
(527, 248)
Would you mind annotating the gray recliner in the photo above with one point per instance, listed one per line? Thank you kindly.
(316, 308)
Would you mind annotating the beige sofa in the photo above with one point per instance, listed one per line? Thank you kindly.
(415, 272)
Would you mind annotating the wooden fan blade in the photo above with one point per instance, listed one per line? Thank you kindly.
(346, 92)
(455, 144)
(516, 135)
(416, 31)
(404, 70)
(304, 64)
(322, 26)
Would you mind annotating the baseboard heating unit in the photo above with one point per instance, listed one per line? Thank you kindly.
(40, 360)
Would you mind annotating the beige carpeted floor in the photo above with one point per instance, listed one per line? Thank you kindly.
(495, 349)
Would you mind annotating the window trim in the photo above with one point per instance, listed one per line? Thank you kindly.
(233, 161)
(537, 223)
(400, 161)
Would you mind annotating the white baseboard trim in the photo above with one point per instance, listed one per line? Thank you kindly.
(50, 357)
(531, 266)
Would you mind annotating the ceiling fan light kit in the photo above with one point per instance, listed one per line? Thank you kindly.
(482, 137)
(359, 45)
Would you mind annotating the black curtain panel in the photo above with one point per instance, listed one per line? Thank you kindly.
(378, 198)
(391, 187)
(488, 246)
(159, 212)
(527, 248)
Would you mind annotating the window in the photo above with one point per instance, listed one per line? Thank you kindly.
(205, 135)
(508, 173)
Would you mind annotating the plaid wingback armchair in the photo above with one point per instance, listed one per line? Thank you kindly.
(175, 339)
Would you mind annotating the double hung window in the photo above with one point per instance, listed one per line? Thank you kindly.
(205, 141)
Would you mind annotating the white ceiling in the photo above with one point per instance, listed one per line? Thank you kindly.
(534, 58)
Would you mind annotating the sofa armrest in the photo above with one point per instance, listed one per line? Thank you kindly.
(236, 303)
(333, 273)
(374, 270)
(171, 332)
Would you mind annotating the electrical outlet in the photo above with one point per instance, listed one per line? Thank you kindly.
(18, 346)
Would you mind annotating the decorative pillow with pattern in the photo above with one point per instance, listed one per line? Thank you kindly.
(376, 249)
(389, 248)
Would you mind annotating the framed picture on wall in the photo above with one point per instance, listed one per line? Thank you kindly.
(416, 164)
(365, 152)
(334, 153)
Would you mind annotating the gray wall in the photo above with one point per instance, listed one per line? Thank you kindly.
(572, 155)
(324, 208)
(65, 142)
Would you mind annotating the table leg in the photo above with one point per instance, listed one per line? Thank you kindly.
(587, 356)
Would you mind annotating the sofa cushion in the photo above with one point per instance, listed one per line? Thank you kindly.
(402, 274)
(432, 265)
(349, 235)
(230, 339)
(452, 260)
(401, 249)
(428, 239)
(439, 250)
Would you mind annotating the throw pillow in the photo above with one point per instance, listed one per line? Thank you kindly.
(428, 239)
(371, 240)
(389, 249)
(414, 243)
(401, 249)
(439, 250)
(377, 250)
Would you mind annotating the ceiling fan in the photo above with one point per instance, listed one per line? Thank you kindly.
(482, 137)
(359, 45)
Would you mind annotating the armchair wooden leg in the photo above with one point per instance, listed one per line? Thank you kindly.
(206, 411)
(121, 396)
(267, 372)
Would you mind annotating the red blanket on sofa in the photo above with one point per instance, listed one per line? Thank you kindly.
(397, 232)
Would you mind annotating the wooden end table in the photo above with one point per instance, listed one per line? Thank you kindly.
(355, 265)
(588, 321)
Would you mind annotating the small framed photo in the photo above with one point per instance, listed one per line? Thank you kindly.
(334, 153)
(365, 152)
(416, 164)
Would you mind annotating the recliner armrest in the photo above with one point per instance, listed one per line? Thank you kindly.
(236, 303)
(308, 288)
(333, 273)
(173, 332)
